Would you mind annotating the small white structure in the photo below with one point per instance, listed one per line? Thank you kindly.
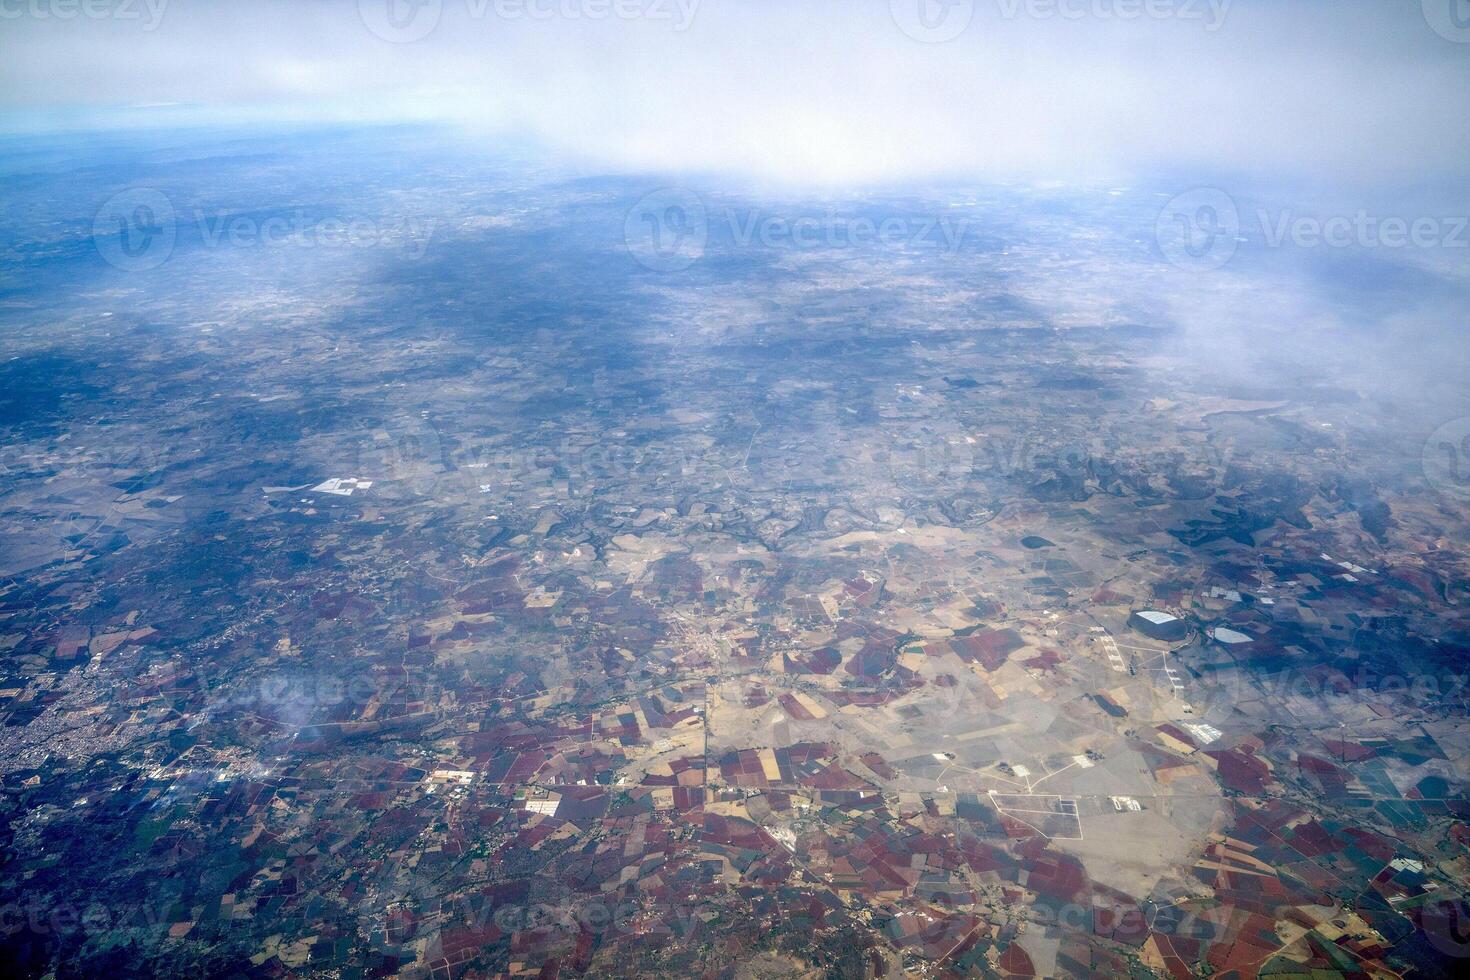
(1204, 734)
(341, 486)
(461, 776)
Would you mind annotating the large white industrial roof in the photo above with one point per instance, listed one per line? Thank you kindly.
(1156, 617)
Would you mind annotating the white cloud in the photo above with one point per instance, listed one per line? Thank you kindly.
(825, 91)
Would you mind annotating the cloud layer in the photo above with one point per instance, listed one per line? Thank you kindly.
(820, 91)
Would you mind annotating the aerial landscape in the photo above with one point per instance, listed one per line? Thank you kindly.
(432, 554)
